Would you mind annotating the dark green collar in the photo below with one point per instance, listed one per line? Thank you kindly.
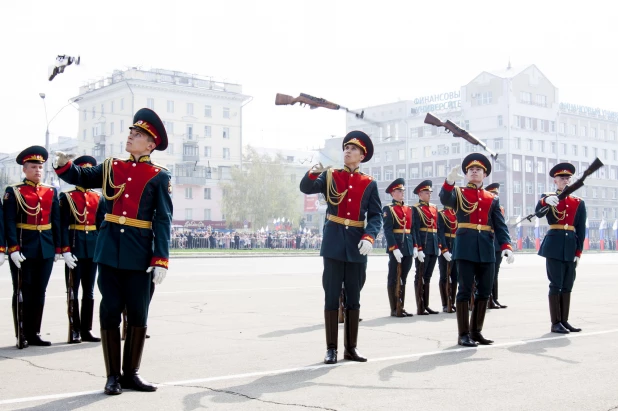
(142, 159)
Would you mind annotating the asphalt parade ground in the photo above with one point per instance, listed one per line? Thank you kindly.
(248, 334)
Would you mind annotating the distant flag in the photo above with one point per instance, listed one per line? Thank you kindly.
(537, 236)
(520, 232)
(602, 228)
(266, 228)
(615, 228)
(586, 240)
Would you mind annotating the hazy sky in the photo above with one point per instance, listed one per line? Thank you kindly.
(355, 53)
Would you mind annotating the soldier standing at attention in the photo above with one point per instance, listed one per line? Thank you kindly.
(32, 224)
(132, 250)
(478, 220)
(81, 218)
(352, 200)
(493, 298)
(426, 225)
(562, 246)
(400, 241)
(447, 228)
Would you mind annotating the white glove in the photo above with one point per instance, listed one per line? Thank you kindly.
(318, 169)
(576, 261)
(453, 175)
(552, 200)
(421, 256)
(158, 275)
(397, 254)
(510, 257)
(69, 260)
(415, 253)
(57, 257)
(365, 247)
(447, 256)
(1, 258)
(17, 258)
(62, 158)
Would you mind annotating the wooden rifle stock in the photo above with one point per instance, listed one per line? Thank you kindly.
(19, 312)
(457, 131)
(70, 298)
(399, 293)
(312, 102)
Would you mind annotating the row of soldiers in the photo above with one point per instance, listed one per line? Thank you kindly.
(123, 233)
(469, 238)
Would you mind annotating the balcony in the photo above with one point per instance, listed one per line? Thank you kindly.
(99, 139)
(190, 180)
(190, 151)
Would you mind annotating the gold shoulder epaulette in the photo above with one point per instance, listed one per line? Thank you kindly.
(416, 205)
(160, 166)
(21, 183)
(549, 193)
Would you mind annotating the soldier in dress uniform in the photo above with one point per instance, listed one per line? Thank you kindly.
(562, 246)
(447, 228)
(32, 224)
(426, 226)
(132, 250)
(353, 221)
(400, 241)
(478, 220)
(493, 298)
(81, 218)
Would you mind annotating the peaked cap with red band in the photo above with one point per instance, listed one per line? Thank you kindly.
(147, 120)
(85, 161)
(424, 186)
(562, 169)
(362, 140)
(399, 184)
(494, 188)
(476, 160)
(34, 154)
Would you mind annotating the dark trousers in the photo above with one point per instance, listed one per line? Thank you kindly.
(429, 265)
(498, 263)
(83, 274)
(352, 275)
(561, 275)
(406, 265)
(35, 273)
(443, 266)
(481, 274)
(123, 288)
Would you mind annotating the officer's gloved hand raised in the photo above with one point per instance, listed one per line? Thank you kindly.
(1, 258)
(158, 274)
(552, 200)
(62, 158)
(318, 169)
(453, 176)
(447, 256)
(365, 247)
(17, 258)
(70, 260)
(397, 254)
(510, 257)
(421, 256)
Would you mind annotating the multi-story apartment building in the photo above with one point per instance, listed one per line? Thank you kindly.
(518, 113)
(203, 119)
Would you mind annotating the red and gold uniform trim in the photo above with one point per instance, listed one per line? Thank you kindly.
(13, 249)
(66, 250)
(368, 238)
(2, 249)
(358, 143)
(33, 157)
(149, 128)
(159, 262)
(476, 163)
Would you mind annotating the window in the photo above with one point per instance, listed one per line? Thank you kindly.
(573, 129)
(529, 210)
(122, 126)
(377, 175)
(441, 170)
(401, 173)
(529, 189)
(540, 167)
(595, 152)
(540, 188)
(189, 132)
(604, 154)
(552, 126)
(525, 97)
(150, 103)
(207, 193)
(561, 128)
(188, 192)
(498, 144)
(111, 128)
(207, 131)
(102, 109)
(170, 106)
(528, 166)
(188, 214)
(574, 150)
(455, 148)
(226, 132)
(585, 151)
(484, 98)
(170, 148)
(541, 145)
(427, 151)
(414, 132)
(517, 210)
(517, 143)
(226, 153)
(466, 124)
(85, 115)
(615, 155)
(541, 100)
(414, 172)
(582, 131)
(603, 193)
(413, 153)
(226, 112)
(207, 111)
(401, 154)
(593, 132)
(601, 134)
(498, 166)
(516, 164)
(84, 134)
(528, 123)
(388, 174)
(189, 109)
(93, 112)
(594, 192)
(612, 136)
(428, 171)
(121, 104)
(563, 149)
(552, 147)
(516, 186)
(529, 144)
(111, 107)
(207, 213)
(376, 158)
(207, 151)
(389, 156)
(500, 122)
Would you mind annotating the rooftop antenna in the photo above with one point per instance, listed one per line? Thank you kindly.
(509, 66)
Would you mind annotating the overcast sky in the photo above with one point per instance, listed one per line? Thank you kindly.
(355, 53)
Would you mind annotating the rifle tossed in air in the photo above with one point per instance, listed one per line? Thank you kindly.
(570, 189)
(458, 132)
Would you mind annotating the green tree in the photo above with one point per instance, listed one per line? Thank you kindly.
(260, 192)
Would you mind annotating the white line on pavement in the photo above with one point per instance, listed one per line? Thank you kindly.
(310, 368)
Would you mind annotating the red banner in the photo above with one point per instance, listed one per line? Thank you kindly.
(311, 203)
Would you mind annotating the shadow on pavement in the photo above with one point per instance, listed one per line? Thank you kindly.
(542, 348)
(72, 403)
(11, 352)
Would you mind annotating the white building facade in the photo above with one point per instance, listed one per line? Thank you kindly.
(203, 119)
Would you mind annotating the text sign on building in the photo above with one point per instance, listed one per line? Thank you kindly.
(436, 102)
(311, 203)
(589, 111)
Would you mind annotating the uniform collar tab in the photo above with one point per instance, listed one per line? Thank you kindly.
(142, 159)
(32, 183)
(349, 170)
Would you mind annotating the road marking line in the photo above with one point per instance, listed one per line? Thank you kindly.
(312, 367)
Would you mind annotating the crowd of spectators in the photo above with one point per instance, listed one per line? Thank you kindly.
(202, 239)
